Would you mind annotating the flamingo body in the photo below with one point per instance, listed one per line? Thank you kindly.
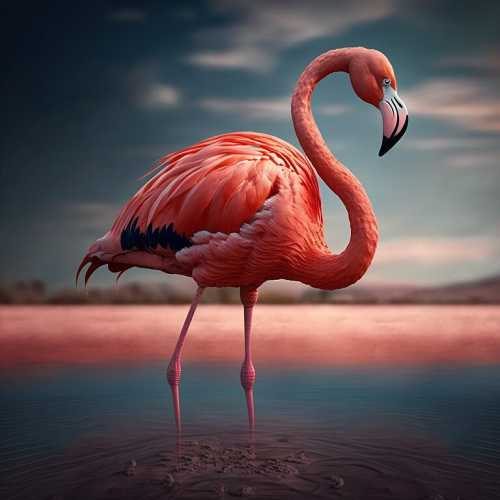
(232, 210)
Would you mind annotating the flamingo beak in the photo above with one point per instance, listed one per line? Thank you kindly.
(394, 118)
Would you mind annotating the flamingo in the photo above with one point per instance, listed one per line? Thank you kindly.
(242, 208)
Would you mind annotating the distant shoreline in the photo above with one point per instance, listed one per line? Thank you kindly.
(480, 292)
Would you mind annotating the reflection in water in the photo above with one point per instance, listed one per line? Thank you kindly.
(384, 432)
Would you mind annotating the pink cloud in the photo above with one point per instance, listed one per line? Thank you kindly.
(467, 102)
(428, 250)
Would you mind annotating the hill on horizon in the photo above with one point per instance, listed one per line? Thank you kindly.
(481, 291)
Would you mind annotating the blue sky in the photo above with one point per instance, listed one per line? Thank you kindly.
(94, 93)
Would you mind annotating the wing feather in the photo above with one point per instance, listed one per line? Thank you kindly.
(216, 185)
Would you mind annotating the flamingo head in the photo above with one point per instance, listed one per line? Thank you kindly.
(374, 81)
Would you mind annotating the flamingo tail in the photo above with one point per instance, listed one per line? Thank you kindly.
(103, 251)
(95, 263)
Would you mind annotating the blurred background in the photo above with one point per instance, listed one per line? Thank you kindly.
(95, 92)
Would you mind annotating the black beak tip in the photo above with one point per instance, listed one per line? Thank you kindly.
(389, 142)
(385, 146)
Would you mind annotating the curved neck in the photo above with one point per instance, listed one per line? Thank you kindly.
(324, 269)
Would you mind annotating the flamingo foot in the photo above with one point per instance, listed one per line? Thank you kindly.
(247, 377)
(174, 379)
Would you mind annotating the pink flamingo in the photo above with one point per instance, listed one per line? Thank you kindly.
(238, 209)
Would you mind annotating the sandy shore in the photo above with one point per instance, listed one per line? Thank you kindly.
(316, 335)
(283, 466)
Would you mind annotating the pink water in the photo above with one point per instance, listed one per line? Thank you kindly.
(305, 334)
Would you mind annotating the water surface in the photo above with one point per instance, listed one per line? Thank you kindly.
(398, 418)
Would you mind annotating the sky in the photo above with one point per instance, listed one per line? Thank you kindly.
(94, 93)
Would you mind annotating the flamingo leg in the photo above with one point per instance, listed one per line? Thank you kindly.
(247, 375)
(174, 367)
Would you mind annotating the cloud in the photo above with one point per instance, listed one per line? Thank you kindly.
(489, 61)
(272, 109)
(232, 59)
(469, 103)
(332, 109)
(260, 29)
(446, 143)
(128, 15)
(146, 88)
(91, 216)
(159, 96)
(430, 250)
(466, 160)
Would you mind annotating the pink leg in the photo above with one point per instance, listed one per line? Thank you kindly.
(248, 299)
(174, 367)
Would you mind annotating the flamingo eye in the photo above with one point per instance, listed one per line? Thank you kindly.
(386, 82)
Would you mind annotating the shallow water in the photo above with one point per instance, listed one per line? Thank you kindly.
(391, 430)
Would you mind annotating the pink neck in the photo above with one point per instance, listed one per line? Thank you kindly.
(326, 270)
